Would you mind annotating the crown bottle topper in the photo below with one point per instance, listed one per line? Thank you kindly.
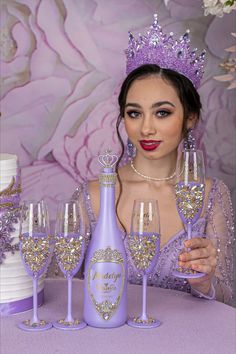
(108, 160)
(164, 50)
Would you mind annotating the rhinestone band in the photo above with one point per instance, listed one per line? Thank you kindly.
(107, 179)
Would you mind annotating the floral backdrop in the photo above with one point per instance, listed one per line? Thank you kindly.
(62, 62)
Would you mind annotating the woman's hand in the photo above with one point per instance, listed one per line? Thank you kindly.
(202, 258)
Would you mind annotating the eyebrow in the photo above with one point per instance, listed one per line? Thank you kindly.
(157, 104)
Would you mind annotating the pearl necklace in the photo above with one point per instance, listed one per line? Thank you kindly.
(151, 178)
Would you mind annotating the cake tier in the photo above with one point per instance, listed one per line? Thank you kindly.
(15, 283)
(8, 169)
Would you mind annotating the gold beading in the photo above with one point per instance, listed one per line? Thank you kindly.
(9, 190)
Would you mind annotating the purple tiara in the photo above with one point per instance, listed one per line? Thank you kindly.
(155, 47)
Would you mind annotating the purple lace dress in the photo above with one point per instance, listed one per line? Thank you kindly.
(216, 224)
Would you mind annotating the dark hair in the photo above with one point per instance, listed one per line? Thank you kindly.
(186, 92)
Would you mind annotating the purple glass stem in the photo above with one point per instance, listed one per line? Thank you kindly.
(189, 231)
(144, 309)
(35, 301)
(189, 235)
(69, 317)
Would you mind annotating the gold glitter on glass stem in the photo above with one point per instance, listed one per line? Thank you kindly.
(186, 270)
(189, 199)
(35, 252)
(34, 324)
(143, 250)
(68, 251)
(67, 323)
(149, 321)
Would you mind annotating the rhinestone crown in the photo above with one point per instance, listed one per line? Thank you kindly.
(108, 160)
(155, 47)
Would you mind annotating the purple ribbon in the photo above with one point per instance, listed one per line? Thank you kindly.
(13, 307)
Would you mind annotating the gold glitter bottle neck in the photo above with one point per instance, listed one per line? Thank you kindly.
(107, 179)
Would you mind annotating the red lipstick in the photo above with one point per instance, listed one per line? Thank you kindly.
(149, 145)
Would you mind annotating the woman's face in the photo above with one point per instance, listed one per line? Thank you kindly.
(153, 117)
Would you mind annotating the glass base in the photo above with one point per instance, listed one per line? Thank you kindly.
(187, 273)
(42, 325)
(69, 325)
(137, 322)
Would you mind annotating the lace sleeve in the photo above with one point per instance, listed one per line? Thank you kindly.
(220, 229)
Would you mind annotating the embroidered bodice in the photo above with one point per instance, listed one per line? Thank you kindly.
(216, 224)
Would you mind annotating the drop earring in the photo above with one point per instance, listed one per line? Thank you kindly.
(190, 141)
(131, 149)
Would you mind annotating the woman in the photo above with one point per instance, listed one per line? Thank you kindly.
(158, 106)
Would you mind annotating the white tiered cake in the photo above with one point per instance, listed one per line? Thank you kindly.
(15, 284)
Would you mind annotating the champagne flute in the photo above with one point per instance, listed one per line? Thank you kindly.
(69, 250)
(36, 250)
(144, 248)
(189, 192)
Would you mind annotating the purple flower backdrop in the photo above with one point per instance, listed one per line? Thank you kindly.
(62, 62)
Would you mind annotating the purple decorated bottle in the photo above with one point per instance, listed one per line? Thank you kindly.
(105, 289)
